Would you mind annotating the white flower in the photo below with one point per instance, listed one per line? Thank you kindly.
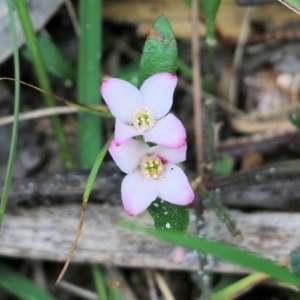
(144, 112)
(151, 173)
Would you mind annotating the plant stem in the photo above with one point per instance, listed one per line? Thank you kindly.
(14, 139)
(89, 127)
(43, 80)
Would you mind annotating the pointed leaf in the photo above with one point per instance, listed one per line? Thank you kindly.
(160, 50)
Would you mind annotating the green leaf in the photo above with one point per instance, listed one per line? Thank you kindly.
(55, 62)
(224, 165)
(160, 50)
(210, 8)
(169, 216)
(292, 4)
(222, 251)
(295, 261)
(295, 119)
(20, 286)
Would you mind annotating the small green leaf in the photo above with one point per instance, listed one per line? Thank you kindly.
(160, 50)
(169, 216)
(295, 261)
(55, 62)
(292, 4)
(295, 119)
(224, 165)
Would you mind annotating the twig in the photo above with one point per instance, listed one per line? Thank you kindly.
(197, 86)
(39, 113)
(73, 17)
(238, 56)
(151, 285)
(78, 291)
(204, 278)
(165, 290)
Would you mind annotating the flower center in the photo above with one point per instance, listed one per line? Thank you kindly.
(151, 166)
(143, 119)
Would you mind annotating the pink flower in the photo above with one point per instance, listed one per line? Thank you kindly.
(144, 111)
(151, 173)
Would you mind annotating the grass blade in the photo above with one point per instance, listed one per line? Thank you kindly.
(99, 282)
(13, 146)
(43, 80)
(221, 250)
(19, 285)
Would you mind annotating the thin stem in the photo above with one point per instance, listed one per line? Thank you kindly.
(43, 80)
(203, 275)
(197, 86)
(13, 145)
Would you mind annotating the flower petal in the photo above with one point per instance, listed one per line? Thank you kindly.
(128, 155)
(174, 186)
(122, 98)
(138, 192)
(158, 92)
(124, 132)
(168, 132)
(169, 155)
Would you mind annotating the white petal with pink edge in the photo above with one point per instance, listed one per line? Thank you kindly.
(169, 155)
(174, 186)
(138, 192)
(158, 92)
(124, 132)
(128, 155)
(168, 132)
(122, 98)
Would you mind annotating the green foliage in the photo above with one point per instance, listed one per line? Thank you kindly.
(43, 80)
(97, 164)
(224, 165)
(55, 62)
(222, 251)
(20, 286)
(295, 261)
(169, 216)
(234, 289)
(160, 50)
(295, 119)
(14, 139)
(99, 282)
(89, 127)
(210, 8)
(292, 4)
(114, 291)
